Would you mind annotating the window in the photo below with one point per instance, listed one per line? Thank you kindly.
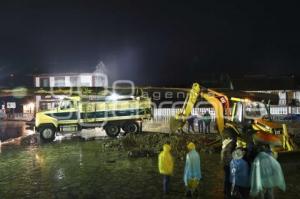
(66, 104)
(45, 82)
(86, 80)
(47, 105)
(255, 110)
(59, 81)
(74, 80)
(238, 113)
(99, 81)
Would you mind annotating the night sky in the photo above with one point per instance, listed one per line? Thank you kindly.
(149, 42)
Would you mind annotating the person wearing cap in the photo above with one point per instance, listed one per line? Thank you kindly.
(239, 175)
(165, 166)
(192, 169)
(228, 146)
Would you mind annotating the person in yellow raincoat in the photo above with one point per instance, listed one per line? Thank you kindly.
(165, 166)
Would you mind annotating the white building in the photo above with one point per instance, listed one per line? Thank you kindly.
(71, 80)
(96, 79)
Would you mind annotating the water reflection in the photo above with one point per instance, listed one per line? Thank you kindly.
(13, 129)
(79, 169)
(60, 174)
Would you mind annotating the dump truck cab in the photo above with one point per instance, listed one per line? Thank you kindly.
(112, 112)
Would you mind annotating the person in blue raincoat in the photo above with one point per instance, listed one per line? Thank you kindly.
(266, 174)
(239, 175)
(192, 170)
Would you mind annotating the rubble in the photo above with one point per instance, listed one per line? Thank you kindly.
(150, 144)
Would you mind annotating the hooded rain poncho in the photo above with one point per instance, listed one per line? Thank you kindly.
(192, 168)
(165, 161)
(266, 172)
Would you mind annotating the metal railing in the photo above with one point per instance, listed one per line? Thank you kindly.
(277, 112)
(164, 114)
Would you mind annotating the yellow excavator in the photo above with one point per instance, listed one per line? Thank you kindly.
(238, 116)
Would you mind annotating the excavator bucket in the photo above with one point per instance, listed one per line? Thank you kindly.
(286, 150)
(176, 124)
(267, 138)
(291, 153)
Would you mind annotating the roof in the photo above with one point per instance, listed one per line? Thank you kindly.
(61, 74)
(267, 97)
(264, 82)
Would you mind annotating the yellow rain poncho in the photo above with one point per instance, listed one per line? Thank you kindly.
(165, 161)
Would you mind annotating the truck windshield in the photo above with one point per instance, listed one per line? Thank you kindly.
(255, 110)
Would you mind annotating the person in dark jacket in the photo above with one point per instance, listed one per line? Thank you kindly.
(191, 120)
(207, 121)
(200, 123)
(228, 146)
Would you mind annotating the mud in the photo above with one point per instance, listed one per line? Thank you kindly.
(102, 169)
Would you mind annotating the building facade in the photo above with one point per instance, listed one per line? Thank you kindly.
(71, 80)
(46, 102)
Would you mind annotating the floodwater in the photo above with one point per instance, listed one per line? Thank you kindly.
(13, 129)
(86, 169)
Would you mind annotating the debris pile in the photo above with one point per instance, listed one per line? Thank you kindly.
(150, 144)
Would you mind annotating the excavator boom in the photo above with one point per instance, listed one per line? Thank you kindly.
(217, 100)
(237, 122)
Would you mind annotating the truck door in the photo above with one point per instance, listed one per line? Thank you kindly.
(67, 112)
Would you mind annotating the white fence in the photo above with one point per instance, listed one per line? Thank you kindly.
(160, 114)
(276, 112)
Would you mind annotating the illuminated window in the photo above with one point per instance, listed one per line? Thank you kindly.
(59, 81)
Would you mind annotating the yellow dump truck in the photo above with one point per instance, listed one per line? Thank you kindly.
(113, 113)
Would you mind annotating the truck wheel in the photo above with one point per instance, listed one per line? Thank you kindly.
(131, 127)
(47, 133)
(112, 130)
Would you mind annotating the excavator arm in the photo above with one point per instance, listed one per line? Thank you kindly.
(177, 122)
(215, 102)
(214, 98)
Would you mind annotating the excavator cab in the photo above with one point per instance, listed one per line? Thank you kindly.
(250, 122)
(246, 112)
